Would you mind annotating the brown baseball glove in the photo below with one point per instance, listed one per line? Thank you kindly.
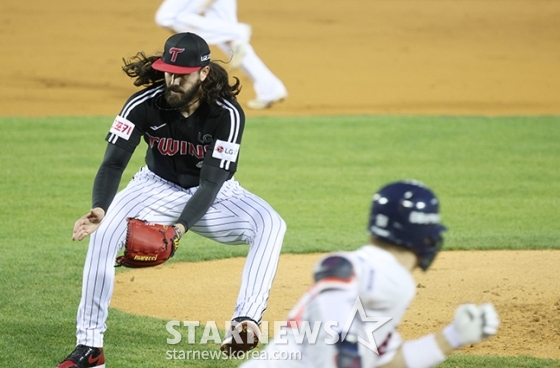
(147, 244)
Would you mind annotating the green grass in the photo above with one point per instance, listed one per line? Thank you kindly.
(473, 361)
(498, 180)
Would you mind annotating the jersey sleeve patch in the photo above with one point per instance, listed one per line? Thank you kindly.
(226, 151)
(122, 128)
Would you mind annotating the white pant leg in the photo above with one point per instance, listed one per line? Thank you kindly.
(238, 217)
(146, 197)
(266, 85)
(216, 22)
(225, 10)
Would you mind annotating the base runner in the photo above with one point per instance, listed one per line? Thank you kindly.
(360, 297)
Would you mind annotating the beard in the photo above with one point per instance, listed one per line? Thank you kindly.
(177, 98)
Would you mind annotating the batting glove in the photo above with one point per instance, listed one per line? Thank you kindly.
(472, 323)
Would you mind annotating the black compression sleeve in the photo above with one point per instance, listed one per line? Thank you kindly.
(211, 181)
(109, 176)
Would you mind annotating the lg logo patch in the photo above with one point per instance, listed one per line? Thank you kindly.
(225, 151)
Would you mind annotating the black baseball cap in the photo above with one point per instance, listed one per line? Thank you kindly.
(184, 53)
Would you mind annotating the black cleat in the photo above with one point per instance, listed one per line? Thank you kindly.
(84, 357)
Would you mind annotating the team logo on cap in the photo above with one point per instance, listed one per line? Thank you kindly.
(175, 51)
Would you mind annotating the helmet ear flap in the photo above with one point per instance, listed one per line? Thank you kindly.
(432, 246)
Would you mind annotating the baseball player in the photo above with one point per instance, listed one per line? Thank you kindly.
(361, 296)
(193, 127)
(216, 21)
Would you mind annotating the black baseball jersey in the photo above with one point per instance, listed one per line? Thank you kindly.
(179, 146)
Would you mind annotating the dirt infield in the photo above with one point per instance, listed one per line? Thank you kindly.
(521, 284)
(335, 57)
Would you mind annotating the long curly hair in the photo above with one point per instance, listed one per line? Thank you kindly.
(216, 85)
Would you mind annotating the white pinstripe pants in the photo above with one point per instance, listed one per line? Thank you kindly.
(236, 217)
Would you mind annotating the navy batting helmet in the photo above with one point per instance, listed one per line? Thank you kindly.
(406, 213)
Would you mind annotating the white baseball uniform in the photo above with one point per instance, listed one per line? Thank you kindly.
(385, 289)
